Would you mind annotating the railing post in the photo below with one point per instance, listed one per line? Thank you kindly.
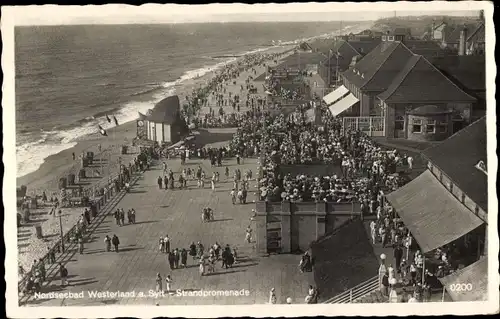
(350, 296)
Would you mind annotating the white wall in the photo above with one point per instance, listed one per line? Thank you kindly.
(167, 131)
(159, 133)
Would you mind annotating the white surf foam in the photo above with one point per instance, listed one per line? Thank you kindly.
(30, 156)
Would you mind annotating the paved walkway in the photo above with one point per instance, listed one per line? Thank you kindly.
(178, 214)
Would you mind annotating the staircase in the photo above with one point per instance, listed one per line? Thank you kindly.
(359, 293)
(373, 297)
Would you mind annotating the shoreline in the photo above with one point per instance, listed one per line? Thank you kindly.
(61, 164)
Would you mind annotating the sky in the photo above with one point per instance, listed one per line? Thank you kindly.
(154, 13)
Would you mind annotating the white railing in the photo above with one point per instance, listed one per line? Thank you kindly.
(357, 292)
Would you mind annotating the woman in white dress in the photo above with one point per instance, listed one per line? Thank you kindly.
(202, 267)
(169, 282)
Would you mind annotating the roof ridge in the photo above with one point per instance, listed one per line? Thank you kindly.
(454, 135)
(475, 31)
(448, 79)
(407, 72)
(356, 51)
(381, 64)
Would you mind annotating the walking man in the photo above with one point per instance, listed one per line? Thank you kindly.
(166, 241)
(115, 241)
(63, 272)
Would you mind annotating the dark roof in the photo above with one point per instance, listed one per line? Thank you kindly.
(457, 157)
(305, 46)
(427, 48)
(478, 32)
(476, 273)
(402, 31)
(166, 111)
(430, 110)
(302, 59)
(469, 71)
(261, 77)
(454, 35)
(365, 46)
(345, 54)
(322, 45)
(420, 81)
(378, 68)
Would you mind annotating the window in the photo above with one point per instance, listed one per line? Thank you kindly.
(390, 38)
(399, 123)
(431, 126)
(458, 123)
(443, 126)
(416, 126)
(462, 199)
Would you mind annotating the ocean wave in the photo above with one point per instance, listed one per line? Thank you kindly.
(146, 91)
(30, 156)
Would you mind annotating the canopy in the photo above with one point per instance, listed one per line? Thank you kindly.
(335, 95)
(431, 213)
(343, 104)
(475, 275)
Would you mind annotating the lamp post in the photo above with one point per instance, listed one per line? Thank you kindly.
(61, 230)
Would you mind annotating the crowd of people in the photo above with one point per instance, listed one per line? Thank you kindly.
(408, 267)
(216, 86)
(206, 259)
(363, 169)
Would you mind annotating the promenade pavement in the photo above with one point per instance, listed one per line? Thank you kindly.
(177, 213)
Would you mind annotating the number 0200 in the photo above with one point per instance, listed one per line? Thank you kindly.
(461, 287)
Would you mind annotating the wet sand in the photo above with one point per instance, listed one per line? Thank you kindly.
(46, 178)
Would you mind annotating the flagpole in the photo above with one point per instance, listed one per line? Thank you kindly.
(329, 67)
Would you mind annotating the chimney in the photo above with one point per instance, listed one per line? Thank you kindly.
(462, 46)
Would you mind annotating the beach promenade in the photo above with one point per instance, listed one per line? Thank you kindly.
(47, 177)
(177, 213)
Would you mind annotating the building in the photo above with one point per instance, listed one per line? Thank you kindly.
(473, 35)
(393, 84)
(341, 56)
(164, 123)
(469, 73)
(422, 104)
(302, 61)
(454, 210)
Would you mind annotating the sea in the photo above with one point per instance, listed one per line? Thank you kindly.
(68, 78)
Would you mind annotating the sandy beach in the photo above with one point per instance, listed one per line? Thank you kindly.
(46, 178)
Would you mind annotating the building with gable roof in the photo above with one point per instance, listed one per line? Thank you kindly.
(422, 104)
(454, 213)
(341, 57)
(396, 85)
(164, 124)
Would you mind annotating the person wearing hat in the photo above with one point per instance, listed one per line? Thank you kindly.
(393, 295)
(385, 284)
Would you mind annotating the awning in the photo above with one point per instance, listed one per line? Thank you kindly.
(343, 104)
(431, 213)
(475, 276)
(335, 95)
